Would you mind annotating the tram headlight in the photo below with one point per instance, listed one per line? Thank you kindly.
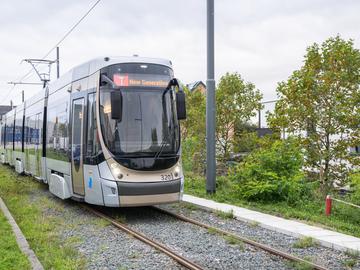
(177, 171)
(116, 171)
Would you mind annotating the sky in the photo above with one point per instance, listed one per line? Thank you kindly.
(263, 40)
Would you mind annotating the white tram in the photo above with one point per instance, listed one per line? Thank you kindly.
(107, 133)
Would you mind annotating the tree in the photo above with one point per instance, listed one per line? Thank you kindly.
(193, 132)
(319, 103)
(236, 102)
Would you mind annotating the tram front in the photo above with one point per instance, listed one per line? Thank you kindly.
(139, 111)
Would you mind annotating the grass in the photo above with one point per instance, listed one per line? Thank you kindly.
(353, 254)
(353, 258)
(254, 224)
(231, 240)
(189, 206)
(305, 242)
(234, 241)
(11, 256)
(225, 215)
(350, 263)
(212, 231)
(301, 265)
(39, 228)
(344, 219)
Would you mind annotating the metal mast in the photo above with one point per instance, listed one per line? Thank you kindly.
(210, 103)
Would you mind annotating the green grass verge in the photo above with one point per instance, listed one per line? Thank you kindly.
(10, 255)
(344, 219)
(40, 229)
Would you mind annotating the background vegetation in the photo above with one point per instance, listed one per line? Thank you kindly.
(318, 109)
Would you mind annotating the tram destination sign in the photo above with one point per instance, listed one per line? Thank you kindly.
(141, 80)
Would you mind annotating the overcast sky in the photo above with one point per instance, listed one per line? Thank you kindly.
(263, 40)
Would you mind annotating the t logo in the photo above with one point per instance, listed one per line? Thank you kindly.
(121, 80)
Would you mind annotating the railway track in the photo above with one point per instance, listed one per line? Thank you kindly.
(172, 254)
(183, 260)
(253, 243)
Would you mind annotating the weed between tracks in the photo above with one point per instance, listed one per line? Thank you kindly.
(353, 259)
(301, 265)
(225, 215)
(231, 240)
(34, 215)
(305, 242)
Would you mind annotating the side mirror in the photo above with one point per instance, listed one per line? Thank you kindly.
(180, 99)
(116, 105)
(180, 105)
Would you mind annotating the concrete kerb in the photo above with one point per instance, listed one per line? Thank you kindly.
(20, 239)
(327, 238)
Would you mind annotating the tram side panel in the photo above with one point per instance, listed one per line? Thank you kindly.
(9, 137)
(33, 129)
(19, 157)
(58, 168)
(2, 139)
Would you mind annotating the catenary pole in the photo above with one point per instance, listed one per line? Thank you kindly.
(210, 103)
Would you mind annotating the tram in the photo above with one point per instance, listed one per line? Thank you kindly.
(107, 133)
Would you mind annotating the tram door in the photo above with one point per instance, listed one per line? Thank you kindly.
(77, 138)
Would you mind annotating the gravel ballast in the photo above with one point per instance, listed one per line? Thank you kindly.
(211, 251)
(105, 247)
(332, 259)
(102, 245)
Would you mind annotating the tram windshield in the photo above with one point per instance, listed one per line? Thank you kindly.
(148, 125)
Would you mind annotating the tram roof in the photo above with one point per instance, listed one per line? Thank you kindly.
(90, 67)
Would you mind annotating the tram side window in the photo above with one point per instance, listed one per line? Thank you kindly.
(18, 134)
(92, 143)
(3, 135)
(58, 143)
(9, 133)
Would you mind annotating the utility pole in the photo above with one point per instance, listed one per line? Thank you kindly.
(57, 63)
(259, 118)
(210, 103)
(22, 96)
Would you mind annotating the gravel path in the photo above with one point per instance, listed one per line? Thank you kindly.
(209, 250)
(332, 259)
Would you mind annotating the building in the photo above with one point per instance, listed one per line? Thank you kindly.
(197, 86)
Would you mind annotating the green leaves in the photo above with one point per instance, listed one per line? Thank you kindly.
(272, 173)
(236, 102)
(319, 103)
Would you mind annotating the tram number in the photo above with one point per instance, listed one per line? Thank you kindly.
(167, 177)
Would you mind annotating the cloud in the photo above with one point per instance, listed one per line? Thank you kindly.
(262, 40)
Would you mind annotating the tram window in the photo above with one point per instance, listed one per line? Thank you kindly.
(92, 144)
(58, 143)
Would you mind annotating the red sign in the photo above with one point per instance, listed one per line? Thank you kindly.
(121, 80)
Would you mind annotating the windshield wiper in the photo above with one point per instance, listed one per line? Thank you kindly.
(164, 140)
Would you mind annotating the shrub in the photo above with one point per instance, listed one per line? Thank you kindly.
(272, 173)
(192, 155)
(355, 186)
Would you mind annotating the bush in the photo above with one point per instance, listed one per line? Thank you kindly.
(355, 186)
(193, 156)
(273, 173)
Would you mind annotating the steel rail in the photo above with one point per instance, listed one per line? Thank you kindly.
(178, 258)
(243, 239)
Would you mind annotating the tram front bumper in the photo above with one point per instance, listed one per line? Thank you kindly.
(137, 194)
